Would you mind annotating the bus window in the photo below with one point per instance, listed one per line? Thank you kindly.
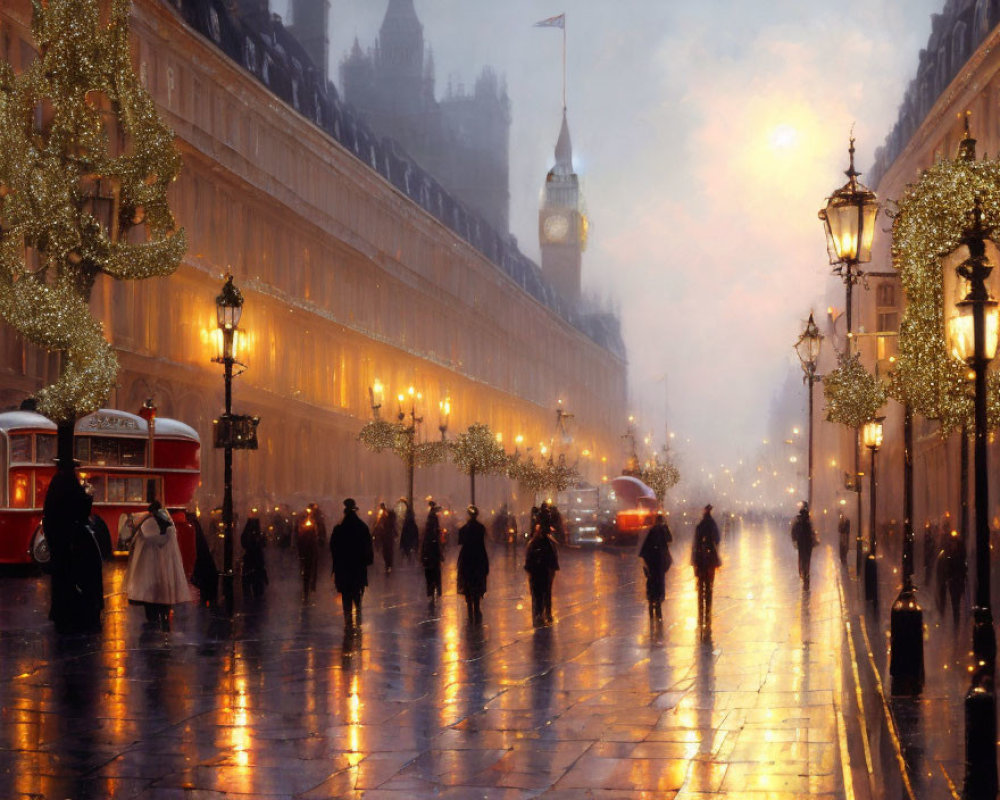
(99, 483)
(20, 448)
(134, 490)
(41, 487)
(45, 448)
(19, 485)
(82, 449)
(104, 451)
(116, 490)
(133, 453)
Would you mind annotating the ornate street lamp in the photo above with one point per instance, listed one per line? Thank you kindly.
(971, 327)
(232, 431)
(849, 223)
(871, 437)
(808, 349)
(410, 430)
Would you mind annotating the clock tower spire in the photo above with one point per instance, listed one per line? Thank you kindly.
(562, 227)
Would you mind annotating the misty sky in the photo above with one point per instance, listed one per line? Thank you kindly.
(707, 135)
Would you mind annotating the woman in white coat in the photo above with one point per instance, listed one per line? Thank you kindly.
(155, 576)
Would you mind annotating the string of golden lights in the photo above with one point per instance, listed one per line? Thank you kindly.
(57, 120)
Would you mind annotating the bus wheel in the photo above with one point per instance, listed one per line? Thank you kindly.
(39, 549)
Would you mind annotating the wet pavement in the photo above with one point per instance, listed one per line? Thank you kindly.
(281, 704)
(917, 744)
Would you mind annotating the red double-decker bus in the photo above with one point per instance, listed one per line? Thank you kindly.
(117, 456)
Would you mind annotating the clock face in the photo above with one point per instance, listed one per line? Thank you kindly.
(556, 227)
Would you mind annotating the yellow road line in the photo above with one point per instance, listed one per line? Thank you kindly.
(951, 786)
(890, 721)
(857, 690)
(838, 692)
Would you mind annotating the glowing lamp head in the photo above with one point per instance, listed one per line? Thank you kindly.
(809, 345)
(849, 219)
(377, 394)
(871, 434)
(229, 306)
(959, 331)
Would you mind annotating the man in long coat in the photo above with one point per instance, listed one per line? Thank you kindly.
(804, 538)
(352, 552)
(705, 560)
(473, 564)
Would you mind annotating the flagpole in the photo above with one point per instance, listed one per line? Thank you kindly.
(564, 63)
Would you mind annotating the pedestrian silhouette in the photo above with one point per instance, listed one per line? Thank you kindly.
(705, 560)
(473, 564)
(655, 554)
(431, 555)
(804, 539)
(352, 553)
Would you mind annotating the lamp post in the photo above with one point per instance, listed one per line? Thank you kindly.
(410, 430)
(871, 437)
(971, 327)
(849, 222)
(808, 349)
(229, 309)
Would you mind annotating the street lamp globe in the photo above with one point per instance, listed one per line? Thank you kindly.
(229, 306)
(809, 345)
(849, 219)
(959, 336)
(871, 434)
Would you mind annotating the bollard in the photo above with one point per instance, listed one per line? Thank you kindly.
(906, 631)
(980, 738)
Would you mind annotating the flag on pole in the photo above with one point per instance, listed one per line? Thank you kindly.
(552, 22)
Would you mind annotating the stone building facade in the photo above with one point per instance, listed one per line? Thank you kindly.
(958, 71)
(356, 266)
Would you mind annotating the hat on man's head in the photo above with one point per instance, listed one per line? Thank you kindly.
(473, 511)
(350, 505)
(708, 507)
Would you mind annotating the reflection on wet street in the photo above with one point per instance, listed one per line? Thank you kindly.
(419, 704)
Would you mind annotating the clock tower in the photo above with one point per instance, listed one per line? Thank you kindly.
(562, 227)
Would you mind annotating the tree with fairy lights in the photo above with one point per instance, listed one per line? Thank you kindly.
(660, 475)
(85, 164)
(379, 435)
(477, 451)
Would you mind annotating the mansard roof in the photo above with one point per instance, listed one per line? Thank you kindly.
(956, 33)
(271, 56)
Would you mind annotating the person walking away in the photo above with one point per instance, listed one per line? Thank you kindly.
(541, 562)
(155, 575)
(307, 544)
(655, 554)
(352, 553)
(431, 555)
(254, 564)
(319, 520)
(473, 564)
(844, 536)
(804, 539)
(952, 574)
(385, 535)
(931, 536)
(409, 536)
(705, 560)
(206, 574)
